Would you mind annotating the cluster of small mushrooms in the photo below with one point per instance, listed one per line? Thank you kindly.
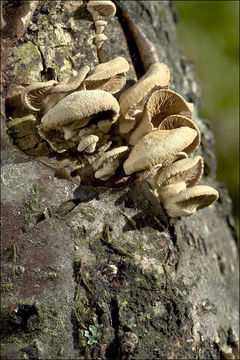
(146, 131)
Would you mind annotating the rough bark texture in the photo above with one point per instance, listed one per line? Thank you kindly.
(176, 287)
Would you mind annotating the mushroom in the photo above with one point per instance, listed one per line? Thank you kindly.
(108, 163)
(99, 40)
(45, 95)
(33, 96)
(189, 200)
(177, 121)
(101, 8)
(109, 76)
(133, 100)
(73, 83)
(100, 25)
(80, 107)
(160, 105)
(178, 176)
(159, 147)
(88, 143)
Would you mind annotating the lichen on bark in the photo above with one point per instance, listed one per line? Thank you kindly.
(78, 257)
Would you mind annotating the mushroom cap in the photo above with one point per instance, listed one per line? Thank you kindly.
(109, 162)
(188, 170)
(109, 76)
(72, 83)
(101, 8)
(135, 97)
(176, 121)
(158, 147)
(81, 105)
(87, 142)
(163, 103)
(110, 155)
(188, 201)
(33, 95)
(99, 39)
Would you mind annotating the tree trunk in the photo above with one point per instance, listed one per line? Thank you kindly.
(94, 272)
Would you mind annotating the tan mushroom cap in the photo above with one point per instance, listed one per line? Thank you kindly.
(188, 201)
(99, 39)
(176, 121)
(135, 98)
(88, 143)
(108, 163)
(163, 103)
(158, 147)
(100, 25)
(81, 105)
(72, 83)
(188, 170)
(109, 76)
(101, 8)
(33, 95)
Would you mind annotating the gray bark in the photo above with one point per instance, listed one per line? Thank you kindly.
(176, 287)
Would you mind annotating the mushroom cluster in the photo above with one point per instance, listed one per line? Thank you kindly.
(146, 133)
(98, 9)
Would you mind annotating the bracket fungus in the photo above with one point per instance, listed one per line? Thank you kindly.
(88, 132)
(109, 162)
(109, 76)
(133, 100)
(160, 105)
(189, 200)
(101, 8)
(159, 147)
(178, 176)
(45, 95)
(81, 106)
(33, 96)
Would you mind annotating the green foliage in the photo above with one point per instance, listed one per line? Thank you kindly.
(208, 31)
(94, 333)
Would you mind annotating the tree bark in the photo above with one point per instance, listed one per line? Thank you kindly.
(93, 272)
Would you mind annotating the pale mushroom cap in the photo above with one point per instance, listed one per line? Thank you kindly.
(33, 95)
(157, 76)
(109, 162)
(72, 83)
(158, 147)
(176, 121)
(163, 103)
(109, 76)
(101, 8)
(188, 170)
(188, 201)
(111, 154)
(81, 105)
(86, 141)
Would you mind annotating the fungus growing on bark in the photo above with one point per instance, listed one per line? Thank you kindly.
(106, 166)
(133, 100)
(88, 143)
(100, 25)
(45, 95)
(179, 176)
(177, 121)
(159, 147)
(33, 96)
(189, 200)
(101, 8)
(109, 76)
(80, 107)
(160, 105)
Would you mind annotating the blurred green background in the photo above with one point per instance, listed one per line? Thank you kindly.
(208, 33)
